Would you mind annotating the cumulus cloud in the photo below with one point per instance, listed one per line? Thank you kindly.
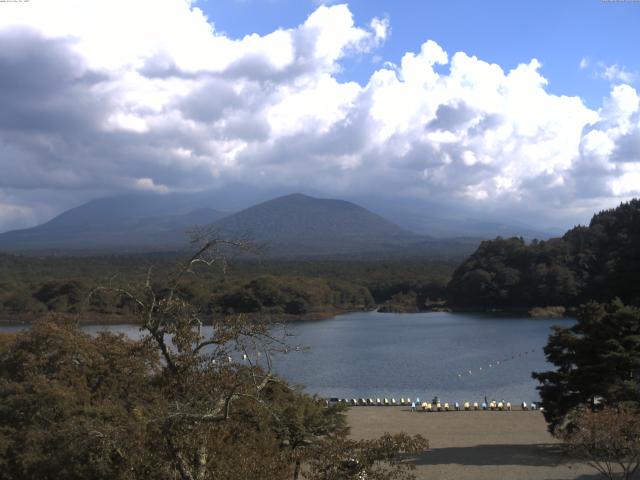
(609, 162)
(100, 97)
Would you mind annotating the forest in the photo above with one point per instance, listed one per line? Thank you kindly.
(597, 262)
(31, 286)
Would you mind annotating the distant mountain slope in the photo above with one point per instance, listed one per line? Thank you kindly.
(139, 205)
(298, 224)
(425, 218)
(291, 226)
(97, 226)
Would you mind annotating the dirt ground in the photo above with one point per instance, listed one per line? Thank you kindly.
(475, 445)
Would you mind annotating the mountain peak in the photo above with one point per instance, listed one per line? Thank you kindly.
(296, 196)
(299, 224)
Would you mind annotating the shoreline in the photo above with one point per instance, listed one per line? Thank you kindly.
(115, 319)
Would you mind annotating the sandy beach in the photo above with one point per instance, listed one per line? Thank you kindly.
(475, 445)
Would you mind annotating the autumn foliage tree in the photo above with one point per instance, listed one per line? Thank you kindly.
(75, 406)
(608, 440)
(384, 458)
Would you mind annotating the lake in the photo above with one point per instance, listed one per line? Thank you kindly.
(456, 356)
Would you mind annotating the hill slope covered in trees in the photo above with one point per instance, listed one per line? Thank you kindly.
(595, 262)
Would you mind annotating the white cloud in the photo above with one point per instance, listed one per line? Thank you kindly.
(628, 183)
(616, 73)
(149, 185)
(612, 73)
(101, 95)
(381, 28)
(16, 216)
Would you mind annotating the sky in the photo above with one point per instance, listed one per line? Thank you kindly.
(511, 110)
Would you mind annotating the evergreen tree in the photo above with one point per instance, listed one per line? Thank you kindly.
(597, 358)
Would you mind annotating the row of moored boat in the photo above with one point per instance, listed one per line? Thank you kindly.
(434, 406)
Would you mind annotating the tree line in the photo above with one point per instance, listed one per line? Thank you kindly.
(33, 286)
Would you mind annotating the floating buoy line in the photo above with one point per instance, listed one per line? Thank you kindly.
(465, 373)
(455, 406)
(428, 406)
(495, 364)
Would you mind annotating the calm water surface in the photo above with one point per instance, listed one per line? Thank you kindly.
(456, 356)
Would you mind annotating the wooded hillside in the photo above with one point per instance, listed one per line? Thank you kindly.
(595, 262)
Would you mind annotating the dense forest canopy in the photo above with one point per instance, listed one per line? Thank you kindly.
(31, 286)
(596, 262)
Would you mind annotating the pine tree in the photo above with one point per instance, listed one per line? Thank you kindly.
(598, 358)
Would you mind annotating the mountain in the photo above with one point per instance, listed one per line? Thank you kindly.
(126, 224)
(293, 225)
(298, 224)
(442, 221)
(421, 216)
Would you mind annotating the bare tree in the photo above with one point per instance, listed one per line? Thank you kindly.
(210, 364)
(608, 440)
(384, 458)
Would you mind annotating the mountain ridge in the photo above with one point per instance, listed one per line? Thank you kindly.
(295, 224)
